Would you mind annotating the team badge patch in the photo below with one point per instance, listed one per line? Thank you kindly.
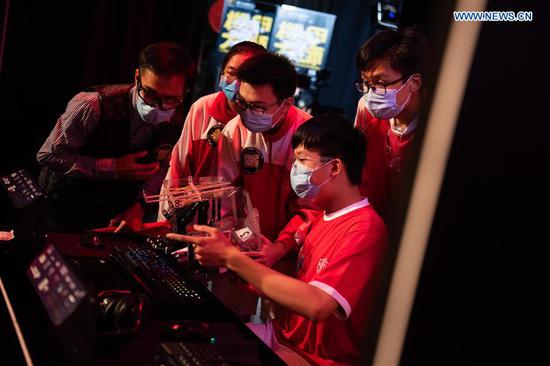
(252, 160)
(322, 264)
(213, 135)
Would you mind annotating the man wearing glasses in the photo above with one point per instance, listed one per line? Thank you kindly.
(113, 142)
(195, 153)
(392, 66)
(255, 148)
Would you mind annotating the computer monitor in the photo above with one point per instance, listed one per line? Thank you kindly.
(245, 21)
(303, 36)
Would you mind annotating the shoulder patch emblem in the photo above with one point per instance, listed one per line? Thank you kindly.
(323, 262)
(252, 160)
(213, 135)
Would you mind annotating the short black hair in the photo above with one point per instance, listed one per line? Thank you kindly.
(407, 51)
(273, 69)
(244, 47)
(167, 59)
(332, 135)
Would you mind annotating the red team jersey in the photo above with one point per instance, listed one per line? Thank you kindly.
(261, 163)
(340, 256)
(195, 152)
(387, 155)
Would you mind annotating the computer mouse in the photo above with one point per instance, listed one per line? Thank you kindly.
(188, 330)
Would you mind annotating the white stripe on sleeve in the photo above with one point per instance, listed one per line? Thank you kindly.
(344, 304)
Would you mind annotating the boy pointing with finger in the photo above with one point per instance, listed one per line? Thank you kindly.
(330, 300)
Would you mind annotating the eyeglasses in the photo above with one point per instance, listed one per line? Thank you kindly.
(154, 100)
(254, 108)
(377, 88)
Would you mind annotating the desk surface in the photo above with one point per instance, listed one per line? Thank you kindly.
(229, 332)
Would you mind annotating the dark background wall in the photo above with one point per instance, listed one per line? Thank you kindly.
(54, 49)
(475, 299)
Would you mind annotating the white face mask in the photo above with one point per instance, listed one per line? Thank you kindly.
(260, 122)
(300, 180)
(385, 106)
(229, 89)
(152, 115)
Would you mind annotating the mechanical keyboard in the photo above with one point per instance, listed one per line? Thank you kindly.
(158, 276)
(190, 354)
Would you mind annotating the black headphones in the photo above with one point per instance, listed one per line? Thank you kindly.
(120, 313)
